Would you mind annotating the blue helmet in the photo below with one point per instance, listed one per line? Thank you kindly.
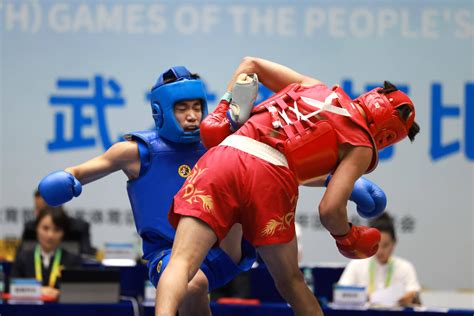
(165, 95)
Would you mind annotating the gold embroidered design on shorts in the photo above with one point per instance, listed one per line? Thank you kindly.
(191, 194)
(281, 223)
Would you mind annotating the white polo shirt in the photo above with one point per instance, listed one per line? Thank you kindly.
(357, 273)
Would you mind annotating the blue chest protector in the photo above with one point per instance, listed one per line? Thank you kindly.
(164, 168)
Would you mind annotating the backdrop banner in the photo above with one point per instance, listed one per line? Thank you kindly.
(76, 75)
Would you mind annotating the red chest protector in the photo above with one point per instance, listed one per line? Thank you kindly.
(311, 144)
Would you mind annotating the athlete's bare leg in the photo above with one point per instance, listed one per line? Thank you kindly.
(193, 240)
(196, 300)
(282, 262)
(232, 243)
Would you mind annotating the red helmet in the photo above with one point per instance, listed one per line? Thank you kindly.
(383, 119)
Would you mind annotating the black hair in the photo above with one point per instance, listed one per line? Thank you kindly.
(384, 223)
(169, 77)
(37, 193)
(414, 129)
(58, 216)
(387, 88)
(403, 111)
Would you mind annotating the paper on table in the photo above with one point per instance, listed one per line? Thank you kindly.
(388, 296)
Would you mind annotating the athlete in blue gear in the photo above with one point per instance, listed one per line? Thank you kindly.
(157, 163)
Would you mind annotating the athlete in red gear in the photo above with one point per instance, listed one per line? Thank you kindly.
(299, 135)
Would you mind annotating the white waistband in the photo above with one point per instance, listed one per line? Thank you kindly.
(256, 148)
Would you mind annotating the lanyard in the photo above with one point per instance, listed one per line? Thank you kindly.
(54, 270)
(388, 277)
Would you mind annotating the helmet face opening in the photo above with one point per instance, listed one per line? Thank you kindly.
(385, 115)
(175, 85)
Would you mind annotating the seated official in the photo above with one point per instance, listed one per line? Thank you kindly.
(78, 230)
(47, 259)
(384, 269)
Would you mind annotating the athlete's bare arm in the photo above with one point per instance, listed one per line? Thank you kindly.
(333, 206)
(121, 156)
(318, 182)
(272, 75)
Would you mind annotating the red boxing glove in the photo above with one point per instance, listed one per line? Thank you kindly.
(215, 127)
(359, 243)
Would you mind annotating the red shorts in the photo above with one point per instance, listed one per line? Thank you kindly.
(229, 186)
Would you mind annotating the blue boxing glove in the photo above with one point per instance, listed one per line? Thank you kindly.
(59, 187)
(369, 197)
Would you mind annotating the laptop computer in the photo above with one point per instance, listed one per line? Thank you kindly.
(90, 285)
